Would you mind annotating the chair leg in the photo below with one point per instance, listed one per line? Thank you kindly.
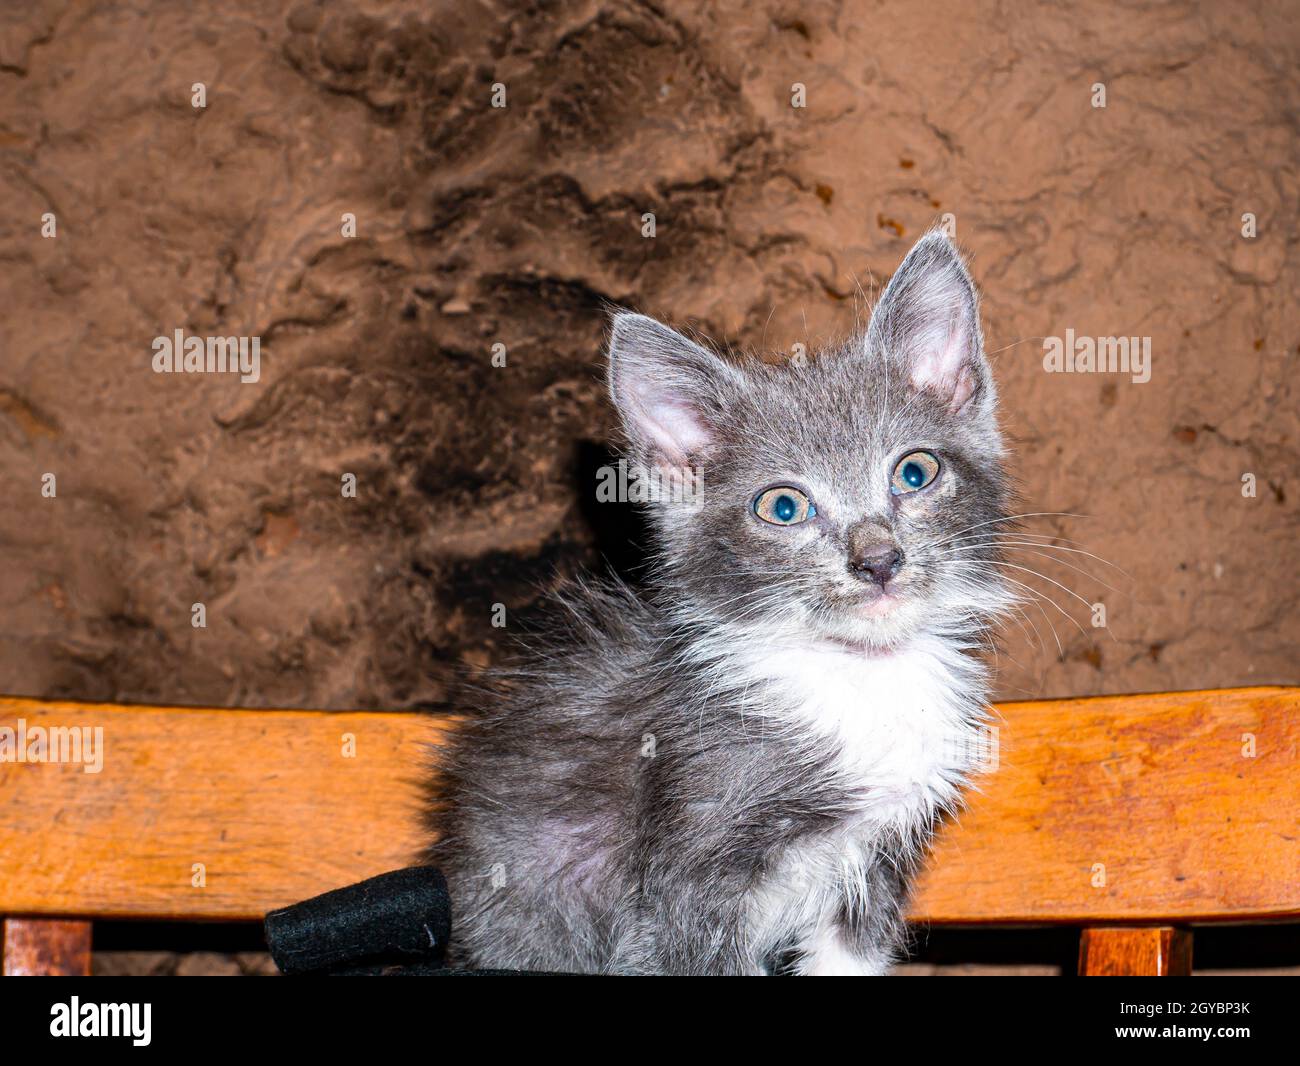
(1143, 951)
(46, 947)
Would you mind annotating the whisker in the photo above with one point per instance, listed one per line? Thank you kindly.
(1068, 592)
(992, 538)
(1029, 549)
(1035, 595)
(1014, 517)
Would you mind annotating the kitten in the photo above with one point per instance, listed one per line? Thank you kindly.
(739, 771)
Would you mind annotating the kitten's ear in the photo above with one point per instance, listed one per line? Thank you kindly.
(929, 318)
(670, 392)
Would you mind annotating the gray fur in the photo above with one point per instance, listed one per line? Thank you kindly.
(632, 799)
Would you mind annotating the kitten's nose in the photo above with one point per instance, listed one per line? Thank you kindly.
(876, 562)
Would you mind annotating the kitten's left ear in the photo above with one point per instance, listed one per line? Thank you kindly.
(928, 316)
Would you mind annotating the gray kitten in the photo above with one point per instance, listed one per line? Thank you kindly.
(739, 771)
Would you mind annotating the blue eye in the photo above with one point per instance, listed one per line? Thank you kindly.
(784, 506)
(914, 472)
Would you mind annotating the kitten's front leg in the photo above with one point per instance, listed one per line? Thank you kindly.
(833, 952)
(864, 935)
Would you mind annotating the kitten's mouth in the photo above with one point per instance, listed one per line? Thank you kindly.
(875, 620)
(879, 606)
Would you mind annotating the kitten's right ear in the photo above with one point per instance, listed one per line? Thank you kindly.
(670, 392)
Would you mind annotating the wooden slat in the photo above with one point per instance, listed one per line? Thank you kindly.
(46, 947)
(1131, 808)
(1143, 951)
(265, 801)
(1151, 791)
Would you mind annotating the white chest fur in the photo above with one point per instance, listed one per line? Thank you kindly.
(904, 732)
(900, 723)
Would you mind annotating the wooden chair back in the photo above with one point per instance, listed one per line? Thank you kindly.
(1131, 817)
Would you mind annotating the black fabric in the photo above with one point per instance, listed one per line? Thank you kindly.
(393, 925)
(402, 917)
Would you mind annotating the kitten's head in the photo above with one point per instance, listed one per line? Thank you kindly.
(850, 498)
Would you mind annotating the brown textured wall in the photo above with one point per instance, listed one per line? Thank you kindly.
(478, 225)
